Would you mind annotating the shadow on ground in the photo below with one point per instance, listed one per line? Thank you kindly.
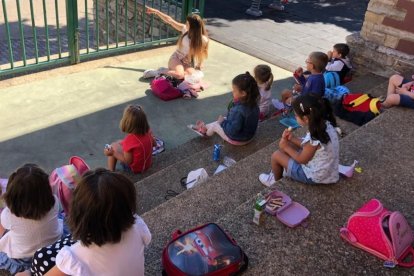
(348, 14)
(86, 136)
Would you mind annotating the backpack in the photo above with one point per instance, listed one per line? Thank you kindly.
(335, 94)
(332, 79)
(164, 87)
(357, 108)
(63, 180)
(383, 233)
(205, 250)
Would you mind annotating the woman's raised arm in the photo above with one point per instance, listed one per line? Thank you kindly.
(166, 18)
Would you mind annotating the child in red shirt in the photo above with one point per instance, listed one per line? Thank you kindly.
(135, 151)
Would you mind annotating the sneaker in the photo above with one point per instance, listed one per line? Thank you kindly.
(267, 179)
(150, 73)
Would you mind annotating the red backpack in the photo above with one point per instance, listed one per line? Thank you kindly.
(163, 88)
(205, 250)
(358, 108)
(383, 233)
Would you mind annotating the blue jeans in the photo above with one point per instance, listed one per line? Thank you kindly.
(296, 172)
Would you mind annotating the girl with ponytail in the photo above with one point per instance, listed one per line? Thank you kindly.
(313, 159)
(240, 125)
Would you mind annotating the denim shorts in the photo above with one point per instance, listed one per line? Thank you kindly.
(295, 171)
(406, 101)
(120, 166)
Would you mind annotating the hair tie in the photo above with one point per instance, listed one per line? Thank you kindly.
(302, 108)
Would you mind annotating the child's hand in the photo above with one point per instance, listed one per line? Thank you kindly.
(287, 134)
(220, 119)
(297, 87)
(299, 71)
(401, 90)
(329, 54)
(109, 151)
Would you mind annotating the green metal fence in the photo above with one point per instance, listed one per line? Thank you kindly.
(42, 33)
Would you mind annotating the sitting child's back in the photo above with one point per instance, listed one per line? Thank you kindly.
(111, 237)
(241, 122)
(243, 118)
(31, 218)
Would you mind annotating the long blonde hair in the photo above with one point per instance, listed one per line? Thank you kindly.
(196, 31)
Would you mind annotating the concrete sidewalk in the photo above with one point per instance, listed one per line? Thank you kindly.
(48, 120)
(284, 37)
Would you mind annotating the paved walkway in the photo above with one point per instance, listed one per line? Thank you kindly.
(50, 119)
(284, 38)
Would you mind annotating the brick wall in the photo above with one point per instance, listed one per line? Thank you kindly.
(386, 42)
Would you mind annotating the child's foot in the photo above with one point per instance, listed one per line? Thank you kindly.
(267, 179)
(199, 128)
(152, 73)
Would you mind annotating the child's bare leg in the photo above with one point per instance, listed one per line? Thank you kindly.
(391, 100)
(24, 273)
(286, 94)
(176, 69)
(215, 127)
(111, 163)
(116, 146)
(279, 161)
(393, 83)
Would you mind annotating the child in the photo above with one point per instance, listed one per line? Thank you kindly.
(338, 61)
(242, 119)
(313, 159)
(192, 47)
(111, 237)
(30, 219)
(285, 105)
(315, 82)
(400, 92)
(264, 78)
(135, 151)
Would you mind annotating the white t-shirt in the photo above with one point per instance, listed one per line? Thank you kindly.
(184, 49)
(265, 98)
(119, 259)
(323, 167)
(25, 236)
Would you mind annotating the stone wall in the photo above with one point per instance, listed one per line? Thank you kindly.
(126, 12)
(385, 44)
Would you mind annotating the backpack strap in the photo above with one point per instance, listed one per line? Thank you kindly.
(360, 100)
(373, 106)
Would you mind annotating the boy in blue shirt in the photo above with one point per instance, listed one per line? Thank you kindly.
(313, 84)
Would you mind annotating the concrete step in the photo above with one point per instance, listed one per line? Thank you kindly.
(209, 201)
(387, 175)
(369, 82)
(171, 166)
(151, 191)
(236, 185)
(275, 248)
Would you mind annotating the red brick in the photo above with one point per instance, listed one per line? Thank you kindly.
(406, 46)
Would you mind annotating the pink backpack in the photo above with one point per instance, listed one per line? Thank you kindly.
(163, 89)
(63, 180)
(383, 233)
